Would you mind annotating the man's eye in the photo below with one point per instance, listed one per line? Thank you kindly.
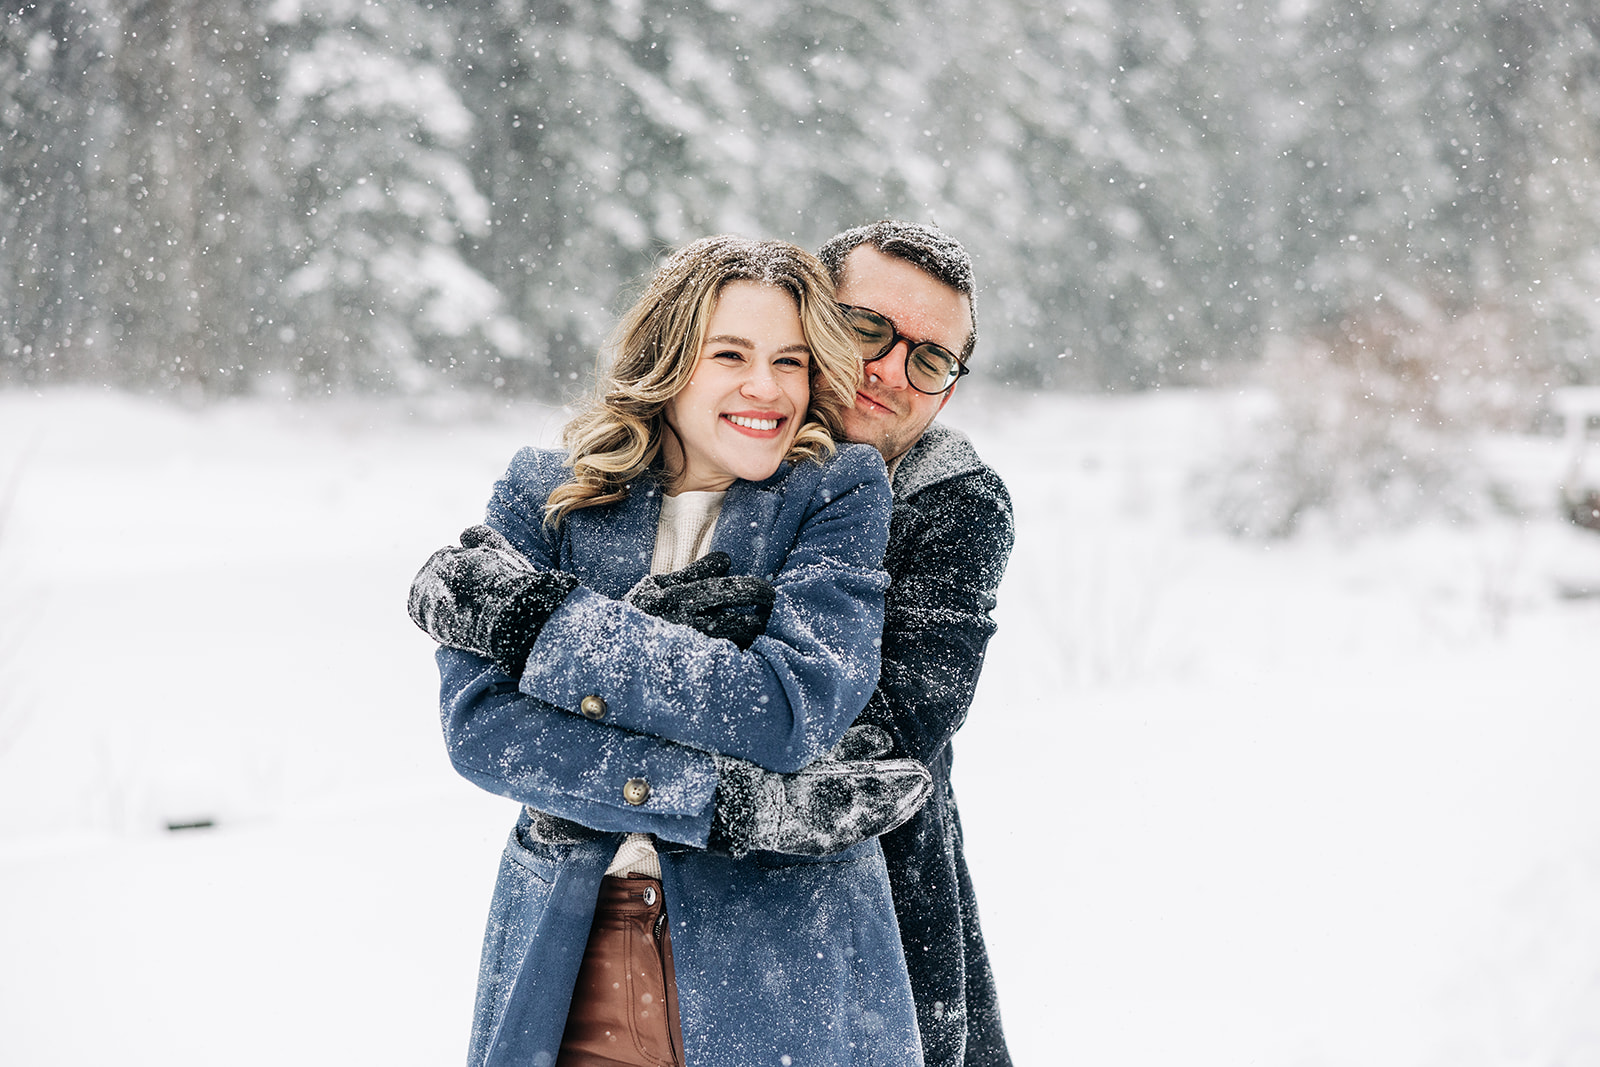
(791, 361)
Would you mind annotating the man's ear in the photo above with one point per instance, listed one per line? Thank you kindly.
(948, 393)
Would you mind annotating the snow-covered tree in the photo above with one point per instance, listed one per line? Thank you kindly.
(187, 193)
(612, 130)
(51, 78)
(381, 202)
(367, 193)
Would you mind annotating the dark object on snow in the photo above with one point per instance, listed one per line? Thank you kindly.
(191, 824)
(840, 800)
(484, 597)
(703, 596)
(1585, 510)
(1579, 407)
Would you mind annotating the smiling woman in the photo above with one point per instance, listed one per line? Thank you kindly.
(770, 295)
(657, 634)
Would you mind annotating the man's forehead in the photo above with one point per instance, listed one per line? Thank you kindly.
(915, 299)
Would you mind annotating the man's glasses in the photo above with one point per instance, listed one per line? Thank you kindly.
(930, 368)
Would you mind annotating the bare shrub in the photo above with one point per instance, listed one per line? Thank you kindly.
(1372, 423)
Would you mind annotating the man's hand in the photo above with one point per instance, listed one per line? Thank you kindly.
(840, 800)
(484, 597)
(702, 596)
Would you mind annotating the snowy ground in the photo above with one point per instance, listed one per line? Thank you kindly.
(1323, 803)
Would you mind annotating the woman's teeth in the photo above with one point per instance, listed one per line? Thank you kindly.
(752, 424)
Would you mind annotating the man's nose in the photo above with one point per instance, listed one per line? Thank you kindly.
(890, 368)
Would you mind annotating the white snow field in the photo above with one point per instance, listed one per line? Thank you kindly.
(1332, 801)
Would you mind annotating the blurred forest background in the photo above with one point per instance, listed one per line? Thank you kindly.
(227, 197)
(1307, 271)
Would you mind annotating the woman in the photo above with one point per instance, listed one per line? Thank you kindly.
(713, 431)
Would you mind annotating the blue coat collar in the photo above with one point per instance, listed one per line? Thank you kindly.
(609, 547)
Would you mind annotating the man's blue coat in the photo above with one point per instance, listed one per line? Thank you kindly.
(780, 960)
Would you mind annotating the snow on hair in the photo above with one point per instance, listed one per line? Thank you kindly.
(655, 348)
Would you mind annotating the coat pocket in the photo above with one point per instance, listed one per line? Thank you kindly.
(522, 894)
(525, 849)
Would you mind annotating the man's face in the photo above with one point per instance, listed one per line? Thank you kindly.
(888, 414)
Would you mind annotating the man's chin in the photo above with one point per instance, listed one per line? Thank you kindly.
(865, 432)
(862, 428)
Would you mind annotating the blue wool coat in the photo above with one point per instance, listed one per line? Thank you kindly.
(780, 960)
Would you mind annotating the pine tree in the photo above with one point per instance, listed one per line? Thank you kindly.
(380, 203)
(50, 79)
(611, 132)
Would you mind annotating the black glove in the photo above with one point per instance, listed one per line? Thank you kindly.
(484, 597)
(861, 742)
(830, 805)
(702, 595)
(546, 829)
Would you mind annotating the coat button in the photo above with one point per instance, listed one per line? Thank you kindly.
(636, 791)
(593, 707)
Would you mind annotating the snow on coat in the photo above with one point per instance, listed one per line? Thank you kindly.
(949, 542)
(779, 959)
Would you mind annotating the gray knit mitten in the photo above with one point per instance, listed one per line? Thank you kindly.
(485, 597)
(840, 800)
(704, 596)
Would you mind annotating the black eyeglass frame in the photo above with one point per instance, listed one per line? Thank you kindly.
(895, 337)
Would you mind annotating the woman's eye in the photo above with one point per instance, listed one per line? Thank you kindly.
(728, 354)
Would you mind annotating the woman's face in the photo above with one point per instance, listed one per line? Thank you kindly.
(740, 412)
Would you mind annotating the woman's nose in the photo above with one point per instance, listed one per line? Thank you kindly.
(760, 382)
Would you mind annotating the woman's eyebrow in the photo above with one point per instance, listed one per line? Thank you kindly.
(745, 342)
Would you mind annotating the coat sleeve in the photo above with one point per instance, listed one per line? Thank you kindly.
(518, 747)
(515, 746)
(948, 552)
(786, 700)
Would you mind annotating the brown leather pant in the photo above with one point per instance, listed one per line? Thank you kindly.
(625, 1005)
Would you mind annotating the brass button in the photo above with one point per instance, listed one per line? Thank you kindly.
(636, 791)
(593, 707)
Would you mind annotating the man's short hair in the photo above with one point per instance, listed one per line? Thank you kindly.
(932, 250)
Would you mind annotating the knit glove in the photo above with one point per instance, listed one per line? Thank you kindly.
(545, 829)
(703, 596)
(840, 800)
(485, 597)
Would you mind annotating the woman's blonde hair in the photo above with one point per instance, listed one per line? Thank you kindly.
(656, 346)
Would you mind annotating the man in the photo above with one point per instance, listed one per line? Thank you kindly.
(908, 290)
(949, 541)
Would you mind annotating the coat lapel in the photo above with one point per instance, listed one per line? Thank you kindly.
(748, 524)
(609, 547)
